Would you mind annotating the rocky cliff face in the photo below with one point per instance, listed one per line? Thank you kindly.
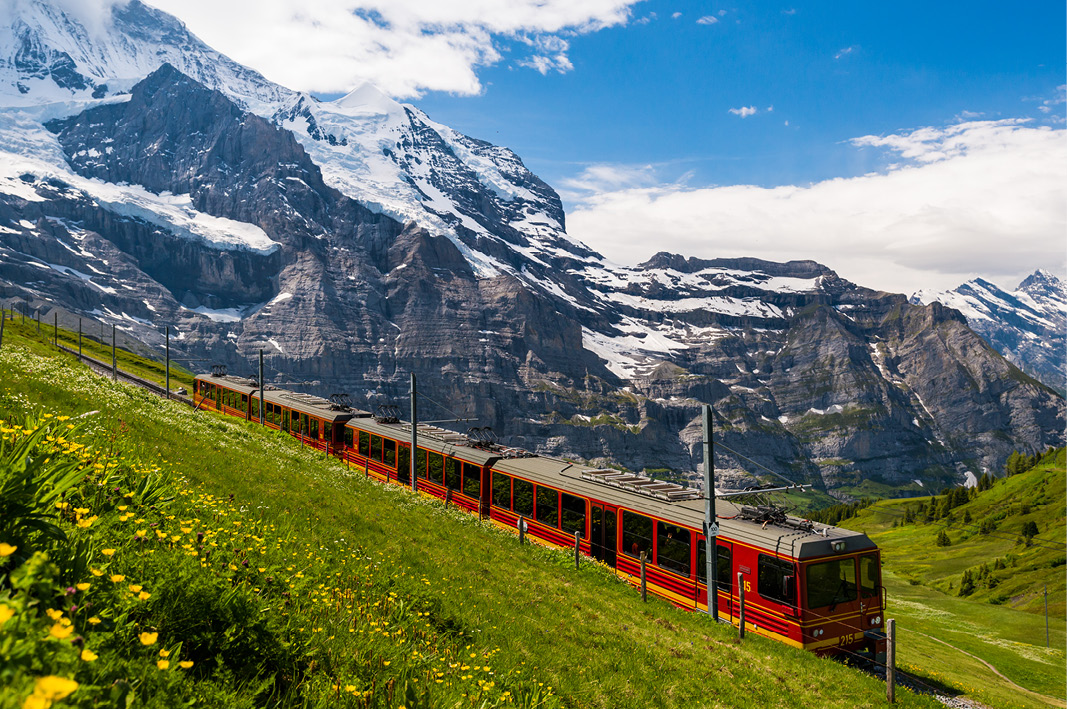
(1028, 325)
(358, 241)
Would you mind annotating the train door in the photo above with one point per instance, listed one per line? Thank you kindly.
(726, 577)
(603, 538)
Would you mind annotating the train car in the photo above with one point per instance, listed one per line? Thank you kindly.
(811, 586)
(817, 588)
(315, 421)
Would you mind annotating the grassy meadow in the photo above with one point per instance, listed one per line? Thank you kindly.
(152, 555)
(1002, 619)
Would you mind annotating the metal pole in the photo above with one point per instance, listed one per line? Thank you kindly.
(577, 550)
(1046, 615)
(79, 338)
(114, 361)
(522, 530)
(644, 579)
(891, 661)
(55, 329)
(37, 317)
(263, 396)
(741, 604)
(3, 316)
(711, 528)
(167, 330)
(414, 438)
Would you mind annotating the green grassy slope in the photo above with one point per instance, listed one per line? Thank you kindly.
(1002, 620)
(369, 596)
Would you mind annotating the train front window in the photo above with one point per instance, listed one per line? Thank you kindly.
(830, 583)
(869, 575)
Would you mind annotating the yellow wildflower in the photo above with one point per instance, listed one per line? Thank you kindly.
(6, 614)
(117, 578)
(164, 653)
(50, 689)
(60, 631)
(7, 549)
(185, 664)
(122, 508)
(96, 572)
(163, 664)
(143, 596)
(148, 638)
(84, 586)
(53, 613)
(95, 620)
(135, 587)
(107, 552)
(88, 655)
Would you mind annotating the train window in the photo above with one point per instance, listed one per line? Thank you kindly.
(376, 448)
(285, 420)
(348, 436)
(436, 467)
(776, 579)
(672, 548)
(869, 581)
(636, 534)
(403, 464)
(420, 462)
(313, 428)
(831, 582)
(472, 481)
(547, 506)
(452, 473)
(523, 497)
(255, 408)
(390, 453)
(573, 514)
(364, 444)
(502, 490)
(244, 403)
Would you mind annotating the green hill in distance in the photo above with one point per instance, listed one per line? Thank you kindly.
(970, 568)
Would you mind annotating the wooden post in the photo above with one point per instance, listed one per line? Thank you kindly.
(577, 548)
(644, 579)
(3, 316)
(448, 496)
(891, 661)
(741, 605)
(522, 530)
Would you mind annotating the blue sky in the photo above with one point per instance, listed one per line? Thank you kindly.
(659, 93)
(906, 145)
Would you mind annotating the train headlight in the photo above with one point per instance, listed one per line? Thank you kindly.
(838, 546)
(876, 620)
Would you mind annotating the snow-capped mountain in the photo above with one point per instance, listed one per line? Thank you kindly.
(146, 179)
(1027, 325)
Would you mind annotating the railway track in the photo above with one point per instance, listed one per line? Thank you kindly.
(104, 368)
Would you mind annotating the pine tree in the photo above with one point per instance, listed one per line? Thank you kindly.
(966, 584)
(942, 539)
(1030, 530)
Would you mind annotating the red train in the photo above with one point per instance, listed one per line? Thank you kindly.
(813, 587)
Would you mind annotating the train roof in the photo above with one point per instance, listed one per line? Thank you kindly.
(432, 438)
(303, 403)
(794, 540)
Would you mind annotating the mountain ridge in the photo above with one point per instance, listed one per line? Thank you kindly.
(244, 231)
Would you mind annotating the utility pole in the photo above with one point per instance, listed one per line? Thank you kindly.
(891, 661)
(114, 361)
(55, 329)
(711, 527)
(414, 439)
(79, 338)
(3, 316)
(262, 389)
(166, 329)
(1046, 615)
(37, 317)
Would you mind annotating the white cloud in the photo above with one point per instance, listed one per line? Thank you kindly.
(845, 52)
(406, 47)
(596, 179)
(982, 198)
(708, 20)
(790, 11)
(745, 111)
(675, 15)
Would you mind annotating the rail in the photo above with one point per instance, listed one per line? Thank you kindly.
(105, 367)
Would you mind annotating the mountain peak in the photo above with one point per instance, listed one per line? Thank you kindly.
(1042, 281)
(367, 99)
